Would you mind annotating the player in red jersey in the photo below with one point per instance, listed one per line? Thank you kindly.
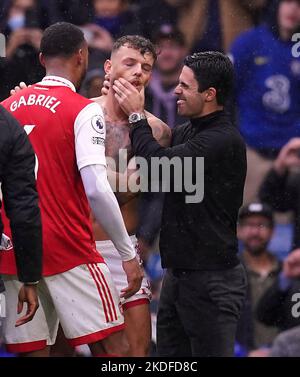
(132, 58)
(67, 132)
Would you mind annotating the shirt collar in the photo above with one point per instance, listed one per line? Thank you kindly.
(57, 81)
(207, 120)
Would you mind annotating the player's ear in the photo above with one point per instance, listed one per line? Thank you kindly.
(42, 59)
(211, 94)
(107, 66)
(80, 57)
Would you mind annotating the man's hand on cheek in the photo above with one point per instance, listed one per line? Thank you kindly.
(129, 98)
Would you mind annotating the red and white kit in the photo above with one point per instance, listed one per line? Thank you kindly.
(67, 132)
(114, 263)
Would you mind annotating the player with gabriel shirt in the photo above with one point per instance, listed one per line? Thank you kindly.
(67, 132)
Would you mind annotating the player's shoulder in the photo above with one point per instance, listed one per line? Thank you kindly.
(99, 100)
(79, 99)
(79, 104)
(161, 131)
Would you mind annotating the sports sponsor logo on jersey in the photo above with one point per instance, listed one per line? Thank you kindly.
(97, 124)
(98, 140)
(261, 60)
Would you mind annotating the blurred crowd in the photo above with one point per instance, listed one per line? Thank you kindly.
(258, 36)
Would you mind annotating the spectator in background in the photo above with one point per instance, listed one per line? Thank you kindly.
(278, 306)
(281, 187)
(78, 12)
(237, 16)
(93, 82)
(198, 20)
(116, 17)
(160, 97)
(255, 230)
(152, 14)
(267, 90)
(100, 44)
(21, 24)
(19, 14)
(98, 38)
(206, 24)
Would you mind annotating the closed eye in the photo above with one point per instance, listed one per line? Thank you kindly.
(183, 85)
(147, 68)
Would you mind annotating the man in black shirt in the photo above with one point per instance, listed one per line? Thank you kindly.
(204, 286)
(17, 178)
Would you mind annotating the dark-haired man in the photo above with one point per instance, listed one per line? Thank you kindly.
(21, 203)
(67, 132)
(255, 230)
(204, 286)
(132, 58)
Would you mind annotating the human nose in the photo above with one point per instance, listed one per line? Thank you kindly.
(178, 90)
(138, 70)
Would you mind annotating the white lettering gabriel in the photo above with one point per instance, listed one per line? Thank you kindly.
(49, 102)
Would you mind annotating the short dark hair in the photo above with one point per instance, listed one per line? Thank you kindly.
(138, 43)
(61, 39)
(212, 69)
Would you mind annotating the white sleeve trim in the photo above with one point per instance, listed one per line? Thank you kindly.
(90, 132)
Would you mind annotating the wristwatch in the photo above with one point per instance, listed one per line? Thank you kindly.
(135, 117)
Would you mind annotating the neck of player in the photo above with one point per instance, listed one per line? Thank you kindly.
(113, 108)
(62, 70)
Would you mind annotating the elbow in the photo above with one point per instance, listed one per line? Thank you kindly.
(92, 193)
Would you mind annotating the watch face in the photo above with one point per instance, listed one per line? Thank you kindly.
(134, 117)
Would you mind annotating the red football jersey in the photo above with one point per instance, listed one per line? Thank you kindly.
(55, 117)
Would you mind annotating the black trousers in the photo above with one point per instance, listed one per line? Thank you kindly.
(198, 312)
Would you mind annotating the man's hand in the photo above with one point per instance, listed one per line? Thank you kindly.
(128, 97)
(19, 87)
(16, 39)
(106, 85)
(291, 265)
(101, 38)
(28, 294)
(288, 157)
(134, 275)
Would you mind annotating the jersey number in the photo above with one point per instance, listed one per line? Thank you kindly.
(278, 97)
